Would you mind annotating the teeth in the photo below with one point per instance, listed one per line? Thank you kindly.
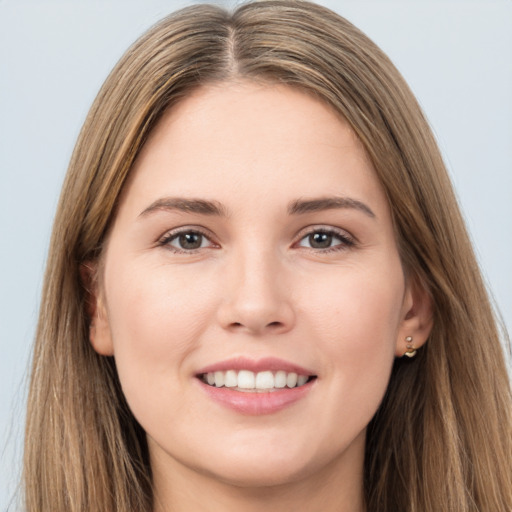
(219, 379)
(231, 380)
(280, 379)
(244, 380)
(301, 380)
(291, 380)
(264, 380)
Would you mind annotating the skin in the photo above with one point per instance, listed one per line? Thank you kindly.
(257, 287)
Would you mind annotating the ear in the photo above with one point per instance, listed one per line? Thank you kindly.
(100, 336)
(416, 316)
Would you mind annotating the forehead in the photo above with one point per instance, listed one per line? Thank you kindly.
(255, 140)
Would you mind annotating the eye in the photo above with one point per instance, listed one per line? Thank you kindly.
(326, 239)
(185, 241)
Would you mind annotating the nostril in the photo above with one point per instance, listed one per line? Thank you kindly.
(271, 324)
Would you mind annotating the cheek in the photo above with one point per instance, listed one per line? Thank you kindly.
(356, 324)
(357, 303)
(156, 318)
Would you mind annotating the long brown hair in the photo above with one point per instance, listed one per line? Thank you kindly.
(442, 438)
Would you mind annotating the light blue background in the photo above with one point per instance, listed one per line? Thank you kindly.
(54, 55)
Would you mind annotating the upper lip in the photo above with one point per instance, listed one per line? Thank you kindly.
(255, 365)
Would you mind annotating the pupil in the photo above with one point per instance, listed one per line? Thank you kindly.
(190, 240)
(320, 240)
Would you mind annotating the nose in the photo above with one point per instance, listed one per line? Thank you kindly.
(256, 298)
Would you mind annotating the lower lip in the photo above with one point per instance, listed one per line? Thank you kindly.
(257, 403)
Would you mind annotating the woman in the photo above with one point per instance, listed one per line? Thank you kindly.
(260, 288)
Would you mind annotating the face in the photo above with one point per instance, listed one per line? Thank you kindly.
(251, 290)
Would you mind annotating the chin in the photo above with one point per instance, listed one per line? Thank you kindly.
(258, 475)
(263, 469)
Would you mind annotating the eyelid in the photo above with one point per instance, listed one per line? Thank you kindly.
(163, 240)
(346, 237)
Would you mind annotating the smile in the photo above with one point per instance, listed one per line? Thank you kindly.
(255, 382)
(256, 386)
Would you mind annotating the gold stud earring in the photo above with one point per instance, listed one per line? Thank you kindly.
(411, 351)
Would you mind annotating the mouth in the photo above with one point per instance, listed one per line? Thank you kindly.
(247, 381)
(256, 387)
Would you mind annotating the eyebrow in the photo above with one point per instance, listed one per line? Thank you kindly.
(200, 206)
(215, 208)
(302, 206)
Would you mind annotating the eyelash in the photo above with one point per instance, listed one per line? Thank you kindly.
(165, 241)
(346, 240)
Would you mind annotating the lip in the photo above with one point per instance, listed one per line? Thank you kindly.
(255, 365)
(256, 403)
